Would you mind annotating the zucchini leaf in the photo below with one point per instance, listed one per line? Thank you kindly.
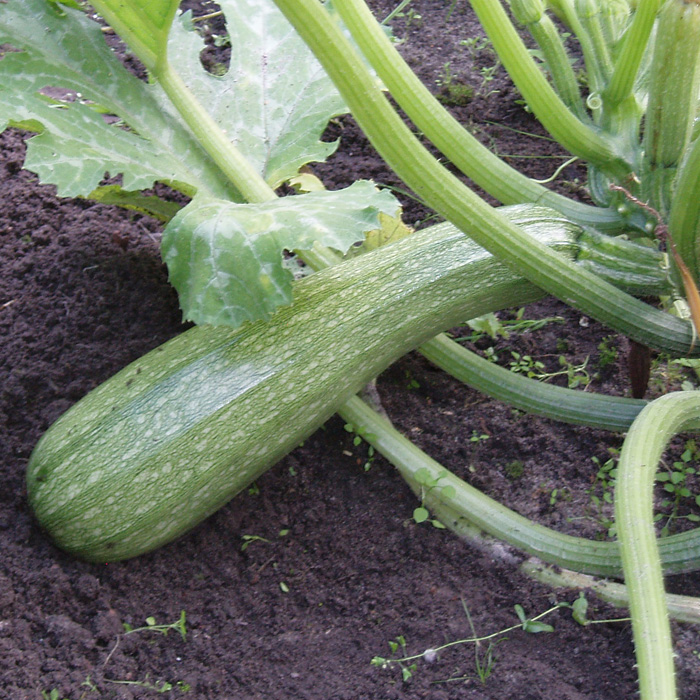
(275, 99)
(63, 81)
(225, 259)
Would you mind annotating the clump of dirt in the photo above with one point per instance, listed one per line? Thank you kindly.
(292, 588)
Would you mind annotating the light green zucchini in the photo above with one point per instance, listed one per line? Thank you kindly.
(172, 437)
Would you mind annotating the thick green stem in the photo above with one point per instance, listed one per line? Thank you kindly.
(680, 607)
(567, 405)
(578, 138)
(464, 509)
(673, 100)
(634, 516)
(232, 163)
(532, 15)
(568, 13)
(457, 203)
(589, 13)
(475, 160)
(631, 52)
(684, 219)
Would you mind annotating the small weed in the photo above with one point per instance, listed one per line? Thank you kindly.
(249, 539)
(608, 352)
(668, 375)
(559, 494)
(411, 16)
(396, 645)
(484, 663)
(602, 489)
(152, 626)
(492, 326)
(478, 45)
(515, 469)
(576, 375)
(453, 91)
(478, 437)
(676, 482)
(524, 364)
(562, 346)
(411, 381)
(360, 436)
(427, 485)
(158, 687)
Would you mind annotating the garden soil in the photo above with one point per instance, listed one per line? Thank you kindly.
(290, 590)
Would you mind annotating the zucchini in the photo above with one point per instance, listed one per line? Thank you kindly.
(172, 437)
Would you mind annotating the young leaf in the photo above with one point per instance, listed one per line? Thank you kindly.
(225, 259)
(420, 514)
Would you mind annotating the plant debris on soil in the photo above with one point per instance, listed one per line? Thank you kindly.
(290, 590)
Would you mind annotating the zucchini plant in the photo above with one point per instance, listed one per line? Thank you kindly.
(175, 435)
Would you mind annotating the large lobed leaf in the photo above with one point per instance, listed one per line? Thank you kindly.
(61, 52)
(93, 118)
(273, 102)
(275, 99)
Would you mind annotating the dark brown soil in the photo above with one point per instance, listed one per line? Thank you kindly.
(83, 292)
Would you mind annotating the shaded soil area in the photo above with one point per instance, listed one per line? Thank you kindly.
(291, 589)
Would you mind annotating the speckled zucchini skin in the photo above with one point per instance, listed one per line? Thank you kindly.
(172, 437)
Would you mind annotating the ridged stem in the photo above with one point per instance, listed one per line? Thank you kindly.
(631, 52)
(639, 459)
(465, 509)
(589, 13)
(541, 399)
(531, 14)
(673, 99)
(234, 165)
(684, 219)
(462, 149)
(457, 203)
(580, 139)
(682, 608)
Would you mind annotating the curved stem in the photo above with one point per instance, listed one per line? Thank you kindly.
(631, 52)
(578, 138)
(641, 453)
(463, 508)
(684, 219)
(566, 405)
(232, 163)
(680, 607)
(463, 150)
(457, 203)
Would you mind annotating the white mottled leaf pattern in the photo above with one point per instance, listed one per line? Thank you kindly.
(65, 50)
(275, 100)
(225, 259)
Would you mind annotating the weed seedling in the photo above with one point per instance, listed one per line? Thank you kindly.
(422, 514)
(676, 482)
(396, 645)
(452, 90)
(484, 664)
(608, 352)
(601, 491)
(158, 687)
(360, 437)
(152, 626)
